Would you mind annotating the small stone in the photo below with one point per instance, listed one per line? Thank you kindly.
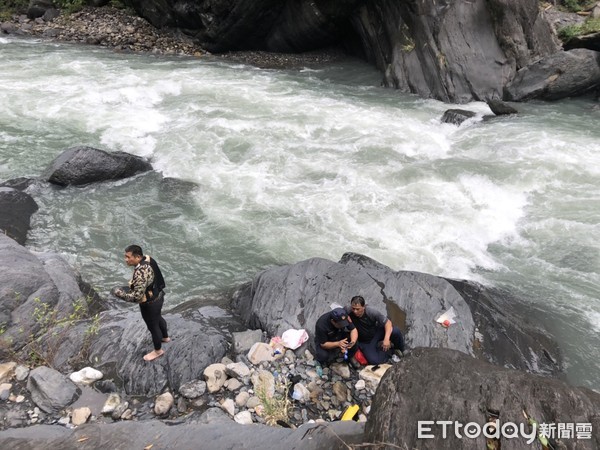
(243, 417)
(242, 399)
(81, 415)
(163, 404)
(111, 403)
(21, 373)
(119, 410)
(215, 377)
(65, 420)
(233, 384)
(7, 371)
(360, 385)
(127, 415)
(228, 406)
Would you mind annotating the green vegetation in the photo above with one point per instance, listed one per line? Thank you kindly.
(10, 7)
(577, 5)
(274, 406)
(42, 347)
(70, 6)
(570, 31)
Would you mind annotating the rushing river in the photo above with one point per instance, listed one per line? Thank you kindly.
(269, 167)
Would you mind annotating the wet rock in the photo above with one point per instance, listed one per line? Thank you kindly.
(16, 209)
(7, 371)
(566, 73)
(84, 165)
(244, 340)
(501, 108)
(456, 116)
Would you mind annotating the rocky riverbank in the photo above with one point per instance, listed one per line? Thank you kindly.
(122, 31)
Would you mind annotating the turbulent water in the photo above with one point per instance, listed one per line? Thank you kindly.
(268, 167)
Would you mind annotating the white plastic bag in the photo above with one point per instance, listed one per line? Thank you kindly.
(294, 338)
(447, 318)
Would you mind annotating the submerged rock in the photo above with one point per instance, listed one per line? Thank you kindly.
(84, 165)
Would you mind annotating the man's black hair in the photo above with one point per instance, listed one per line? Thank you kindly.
(135, 250)
(358, 300)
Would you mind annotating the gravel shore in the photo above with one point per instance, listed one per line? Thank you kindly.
(119, 30)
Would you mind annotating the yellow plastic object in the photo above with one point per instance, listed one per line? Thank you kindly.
(350, 412)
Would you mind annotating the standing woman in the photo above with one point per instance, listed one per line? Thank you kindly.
(146, 289)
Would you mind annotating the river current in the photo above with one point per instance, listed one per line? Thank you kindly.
(270, 167)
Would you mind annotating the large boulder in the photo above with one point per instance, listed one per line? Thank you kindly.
(560, 75)
(84, 165)
(37, 291)
(120, 340)
(16, 209)
(489, 324)
(37, 8)
(444, 385)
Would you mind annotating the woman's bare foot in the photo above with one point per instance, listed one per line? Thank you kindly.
(167, 339)
(153, 355)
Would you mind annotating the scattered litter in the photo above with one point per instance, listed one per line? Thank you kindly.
(293, 339)
(447, 318)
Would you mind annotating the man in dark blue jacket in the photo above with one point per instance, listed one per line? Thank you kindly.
(377, 337)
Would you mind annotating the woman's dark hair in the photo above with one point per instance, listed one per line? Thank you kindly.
(358, 300)
(135, 250)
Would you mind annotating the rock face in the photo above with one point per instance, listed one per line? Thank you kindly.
(451, 51)
(439, 384)
(488, 324)
(84, 165)
(37, 290)
(575, 72)
(16, 209)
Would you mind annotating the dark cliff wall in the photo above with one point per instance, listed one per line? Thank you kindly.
(452, 50)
